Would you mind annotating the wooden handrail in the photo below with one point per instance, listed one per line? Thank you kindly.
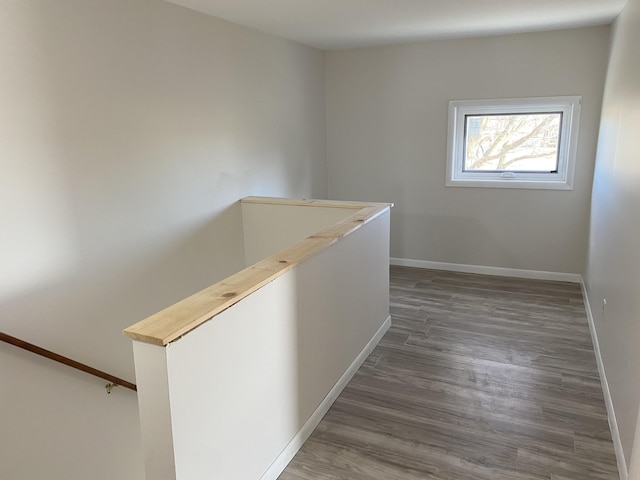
(67, 361)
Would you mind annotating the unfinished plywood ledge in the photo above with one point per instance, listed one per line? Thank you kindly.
(175, 321)
(313, 202)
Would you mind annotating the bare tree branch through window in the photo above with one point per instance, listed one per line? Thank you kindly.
(517, 142)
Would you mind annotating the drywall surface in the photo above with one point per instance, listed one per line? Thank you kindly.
(387, 133)
(243, 384)
(129, 130)
(613, 266)
(634, 461)
(269, 229)
(155, 420)
(59, 423)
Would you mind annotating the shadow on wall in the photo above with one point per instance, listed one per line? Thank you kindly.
(81, 314)
(112, 202)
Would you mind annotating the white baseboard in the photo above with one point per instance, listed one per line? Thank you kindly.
(611, 414)
(484, 270)
(278, 466)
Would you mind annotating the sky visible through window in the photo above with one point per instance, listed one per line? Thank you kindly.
(512, 142)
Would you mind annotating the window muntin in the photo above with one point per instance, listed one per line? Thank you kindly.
(513, 143)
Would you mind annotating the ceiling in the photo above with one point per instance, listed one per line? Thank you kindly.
(336, 24)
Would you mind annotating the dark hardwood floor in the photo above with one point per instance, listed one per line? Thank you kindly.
(478, 378)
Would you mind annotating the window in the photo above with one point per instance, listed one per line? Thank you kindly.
(513, 143)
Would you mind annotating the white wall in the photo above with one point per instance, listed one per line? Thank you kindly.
(128, 129)
(386, 141)
(242, 385)
(269, 228)
(59, 423)
(613, 267)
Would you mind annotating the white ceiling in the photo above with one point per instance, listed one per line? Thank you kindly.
(334, 24)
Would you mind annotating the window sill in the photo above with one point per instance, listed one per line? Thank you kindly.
(515, 184)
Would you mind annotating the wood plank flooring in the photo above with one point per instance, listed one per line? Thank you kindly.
(479, 377)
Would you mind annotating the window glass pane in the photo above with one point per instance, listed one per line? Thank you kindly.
(512, 142)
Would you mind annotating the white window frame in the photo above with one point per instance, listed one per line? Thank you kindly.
(570, 107)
